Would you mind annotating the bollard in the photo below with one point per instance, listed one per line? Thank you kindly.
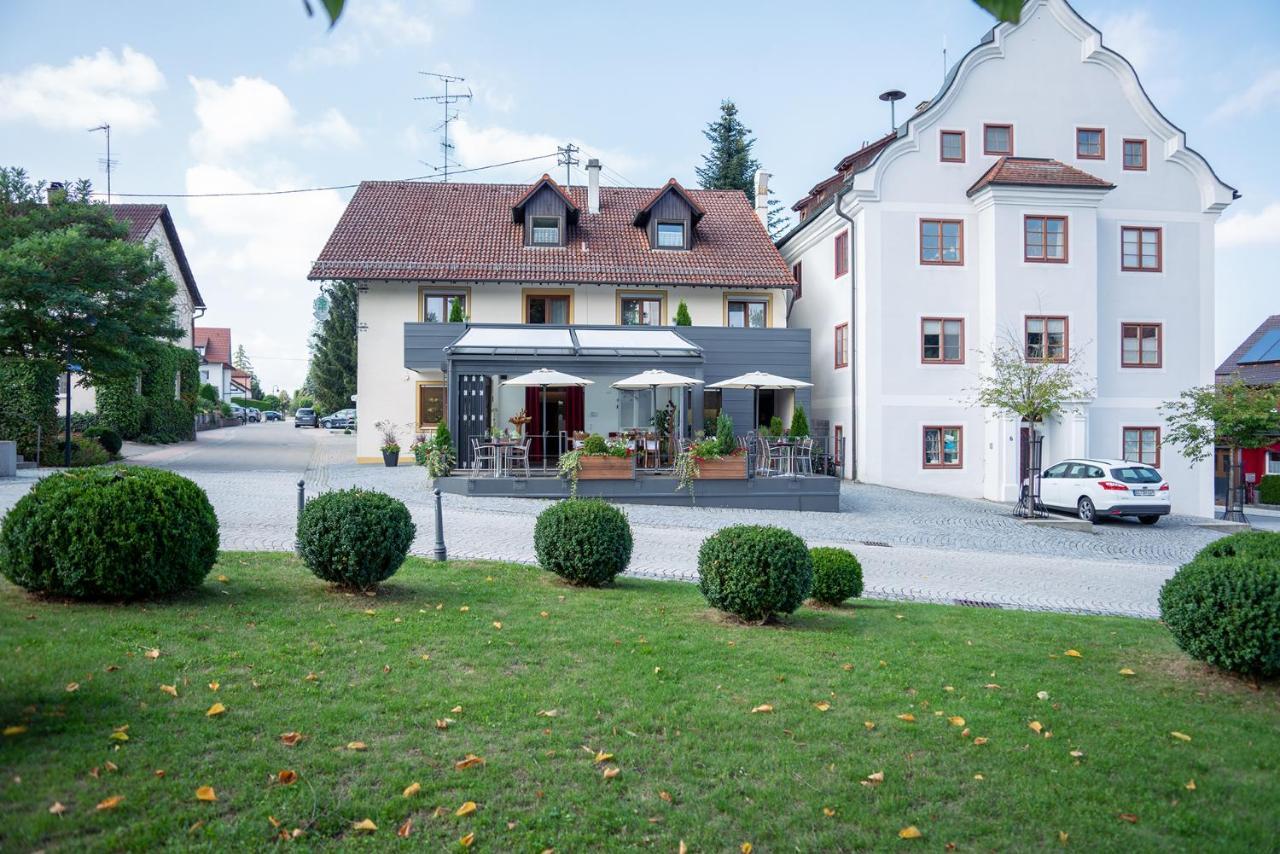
(439, 553)
(302, 496)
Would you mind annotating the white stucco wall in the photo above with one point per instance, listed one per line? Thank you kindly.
(1046, 76)
(183, 308)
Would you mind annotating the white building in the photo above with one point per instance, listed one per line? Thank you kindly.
(1040, 197)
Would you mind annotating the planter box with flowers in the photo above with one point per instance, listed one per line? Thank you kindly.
(607, 468)
(597, 459)
(732, 467)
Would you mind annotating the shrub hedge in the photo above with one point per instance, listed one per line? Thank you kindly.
(29, 396)
(1223, 607)
(584, 541)
(355, 538)
(109, 439)
(837, 575)
(755, 571)
(157, 414)
(85, 451)
(1269, 489)
(123, 532)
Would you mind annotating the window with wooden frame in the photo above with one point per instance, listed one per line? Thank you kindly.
(997, 139)
(437, 306)
(546, 230)
(1141, 345)
(670, 235)
(942, 242)
(797, 273)
(1091, 144)
(837, 445)
(543, 309)
(942, 340)
(951, 146)
(1141, 248)
(1142, 445)
(1135, 155)
(842, 253)
(943, 447)
(743, 313)
(1046, 339)
(1044, 239)
(431, 405)
(842, 345)
(641, 309)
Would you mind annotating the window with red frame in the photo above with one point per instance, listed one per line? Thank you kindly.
(842, 345)
(1142, 445)
(797, 272)
(1135, 155)
(1141, 248)
(1044, 239)
(842, 253)
(943, 447)
(1091, 143)
(1141, 345)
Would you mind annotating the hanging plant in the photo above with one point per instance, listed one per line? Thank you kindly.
(570, 467)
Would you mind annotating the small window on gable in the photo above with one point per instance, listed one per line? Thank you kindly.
(1091, 144)
(951, 144)
(671, 235)
(546, 230)
(997, 139)
(842, 253)
(1135, 155)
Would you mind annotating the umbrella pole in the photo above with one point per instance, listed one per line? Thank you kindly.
(542, 440)
(755, 410)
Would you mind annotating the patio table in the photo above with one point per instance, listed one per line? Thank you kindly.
(501, 452)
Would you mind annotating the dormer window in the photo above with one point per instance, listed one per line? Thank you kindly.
(671, 235)
(546, 230)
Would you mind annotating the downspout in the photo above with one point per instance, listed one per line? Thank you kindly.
(853, 340)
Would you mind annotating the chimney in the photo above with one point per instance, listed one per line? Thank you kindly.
(593, 186)
(57, 192)
(762, 195)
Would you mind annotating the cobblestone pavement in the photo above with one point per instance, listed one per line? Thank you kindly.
(912, 546)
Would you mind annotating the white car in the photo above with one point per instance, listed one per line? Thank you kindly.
(1095, 488)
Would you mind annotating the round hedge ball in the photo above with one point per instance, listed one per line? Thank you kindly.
(354, 538)
(755, 571)
(584, 541)
(1223, 607)
(837, 575)
(119, 533)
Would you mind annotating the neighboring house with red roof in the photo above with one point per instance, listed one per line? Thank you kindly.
(213, 344)
(587, 279)
(1039, 199)
(1257, 362)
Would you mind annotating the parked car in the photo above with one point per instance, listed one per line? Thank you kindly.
(252, 414)
(272, 415)
(305, 417)
(339, 420)
(238, 413)
(1095, 488)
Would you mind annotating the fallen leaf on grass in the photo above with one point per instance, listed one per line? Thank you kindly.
(111, 766)
(547, 713)
(171, 690)
(1036, 727)
(1129, 817)
(290, 739)
(1073, 653)
(465, 608)
(214, 686)
(764, 708)
(1191, 786)
(111, 668)
(1042, 695)
(910, 832)
(215, 710)
(369, 612)
(222, 579)
(908, 717)
(287, 777)
(466, 809)
(601, 756)
(110, 803)
(1126, 671)
(543, 614)
(357, 745)
(497, 625)
(159, 772)
(1076, 754)
(870, 725)
(470, 761)
(874, 779)
(16, 729)
(980, 741)
(412, 789)
(366, 825)
(443, 723)
(73, 687)
(312, 677)
(405, 829)
(1063, 836)
(206, 793)
(466, 841)
(456, 709)
(682, 849)
(1180, 736)
(119, 735)
(58, 808)
(956, 720)
(828, 812)
(611, 772)
(822, 706)
(991, 686)
(745, 848)
(152, 654)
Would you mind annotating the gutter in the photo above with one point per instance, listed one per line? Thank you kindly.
(853, 337)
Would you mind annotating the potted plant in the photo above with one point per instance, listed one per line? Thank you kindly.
(718, 458)
(390, 443)
(597, 459)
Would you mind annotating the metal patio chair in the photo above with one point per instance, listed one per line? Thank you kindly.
(518, 455)
(482, 455)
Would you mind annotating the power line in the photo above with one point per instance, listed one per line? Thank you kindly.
(567, 158)
(316, 189)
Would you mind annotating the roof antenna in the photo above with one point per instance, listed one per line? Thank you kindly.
(106, 162)
(892, 96)
(944, 57)
(565, 154)
(446, 100)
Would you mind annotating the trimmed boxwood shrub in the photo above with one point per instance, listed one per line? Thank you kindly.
(1269, 489)
(109, 439)
(755, 571)
(837, 575)
(354, 537)
(584, 541)
(1224, 606)
(123, 532)
(84, 452)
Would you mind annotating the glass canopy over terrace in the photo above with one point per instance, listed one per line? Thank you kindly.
(571, 341)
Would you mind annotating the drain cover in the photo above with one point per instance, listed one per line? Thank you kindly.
(974, 603)
(876, 543)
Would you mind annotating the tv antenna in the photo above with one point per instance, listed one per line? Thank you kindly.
(565, 157)
(446, 101)
(106, 162)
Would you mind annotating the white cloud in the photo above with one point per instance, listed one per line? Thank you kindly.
(370, 27)
(1250, 229)
(1153, 51)
(250, 110)
(84, 92)
(1263, 92)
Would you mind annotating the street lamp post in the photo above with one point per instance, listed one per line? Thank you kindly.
(66, 444)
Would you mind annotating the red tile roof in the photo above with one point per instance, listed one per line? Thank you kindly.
(141, 219)
(1037, 172)
(545, 181)
(216, 341)
(642, 215)
(1253, 373)
(464, 232)
(848, 165)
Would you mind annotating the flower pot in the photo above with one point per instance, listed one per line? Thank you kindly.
(724, 468)
(607, 468)
(391, 458)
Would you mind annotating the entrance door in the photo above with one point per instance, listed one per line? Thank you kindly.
(473, 413)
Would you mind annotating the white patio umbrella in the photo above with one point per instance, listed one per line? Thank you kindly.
(546, 378)
(757, 380)
(655, 379)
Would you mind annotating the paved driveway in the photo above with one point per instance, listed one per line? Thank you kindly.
(912, 546)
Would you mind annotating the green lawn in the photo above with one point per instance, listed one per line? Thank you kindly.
(642, 671)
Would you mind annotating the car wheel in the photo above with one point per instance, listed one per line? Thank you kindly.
(1148, 520)
(1086, 510)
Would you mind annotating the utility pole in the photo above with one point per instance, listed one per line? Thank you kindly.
(565, 157)
(446, 101)
(106, 163)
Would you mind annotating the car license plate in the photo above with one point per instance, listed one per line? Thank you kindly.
(1144, 492)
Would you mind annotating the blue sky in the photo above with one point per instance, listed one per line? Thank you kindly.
(253, 95)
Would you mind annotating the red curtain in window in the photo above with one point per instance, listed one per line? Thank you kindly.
(533, 408)
(575, 409)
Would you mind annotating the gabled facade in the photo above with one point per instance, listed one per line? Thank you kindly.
(1039, 198)
(586, 279)
(213, 346)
